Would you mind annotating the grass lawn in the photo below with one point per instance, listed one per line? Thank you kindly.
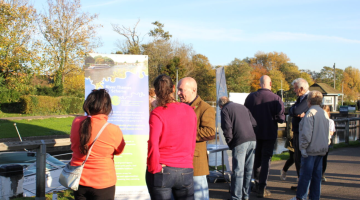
(35, 127)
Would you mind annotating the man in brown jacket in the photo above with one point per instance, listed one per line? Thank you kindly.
(187, 91)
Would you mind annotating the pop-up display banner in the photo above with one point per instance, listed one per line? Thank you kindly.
(126, 79)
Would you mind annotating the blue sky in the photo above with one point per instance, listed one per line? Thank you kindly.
(313, 33)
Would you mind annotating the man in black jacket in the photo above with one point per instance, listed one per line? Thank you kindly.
(268, 110)
(297, 112)
(237, 124)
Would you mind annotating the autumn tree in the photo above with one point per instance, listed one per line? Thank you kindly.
(18, 48)
(204, 75)
(270, 61)
(351, 77)
(238, 76)
(258, 70)
(69, 34)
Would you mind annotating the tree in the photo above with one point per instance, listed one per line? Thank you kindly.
(326, 75)
(278, 81)
(272, 60)
(290, 72)
(18, 47)
(204, 75)
(257, 72)
(132, 44)
(351, 83)
(158, 32)
(69, 34)
(238, 76)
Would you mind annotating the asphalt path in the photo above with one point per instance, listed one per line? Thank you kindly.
(342, 174)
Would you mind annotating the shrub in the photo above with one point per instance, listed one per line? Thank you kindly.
(44, 105)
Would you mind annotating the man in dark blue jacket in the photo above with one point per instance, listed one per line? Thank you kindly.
(237, 124)
(268, 110)
(297, 112)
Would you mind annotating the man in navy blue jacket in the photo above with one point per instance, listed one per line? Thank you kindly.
(237, 124)
(268, 110)
(297, 112)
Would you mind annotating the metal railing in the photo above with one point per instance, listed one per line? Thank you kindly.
(348, 124)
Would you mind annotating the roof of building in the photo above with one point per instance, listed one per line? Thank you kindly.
(324, 88)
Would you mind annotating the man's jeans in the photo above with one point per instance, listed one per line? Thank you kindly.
(201, 188)
(242, 164)
(263, 153)
(310, 175)
(176, 181)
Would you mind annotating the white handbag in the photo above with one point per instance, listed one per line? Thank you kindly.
(70, 175)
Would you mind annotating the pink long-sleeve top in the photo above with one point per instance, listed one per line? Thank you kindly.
(172, 137)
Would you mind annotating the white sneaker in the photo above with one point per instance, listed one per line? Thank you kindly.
(282, 175)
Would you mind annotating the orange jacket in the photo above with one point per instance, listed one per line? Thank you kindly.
(99, 169)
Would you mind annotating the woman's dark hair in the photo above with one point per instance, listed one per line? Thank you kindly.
(97, 102)
(163, 88)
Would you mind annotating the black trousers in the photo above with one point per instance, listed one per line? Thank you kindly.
(89, 193)
(263, 154)
(324, 164)
(289, 162)
(297, 153)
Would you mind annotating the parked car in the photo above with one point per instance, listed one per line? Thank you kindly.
(28, 161)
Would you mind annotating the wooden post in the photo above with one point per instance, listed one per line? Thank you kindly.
(40, 171)
(347, 131)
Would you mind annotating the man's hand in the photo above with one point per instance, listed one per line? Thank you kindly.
(304, 153)
(301, 115)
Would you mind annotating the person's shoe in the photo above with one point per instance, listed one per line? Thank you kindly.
(262, 193)
(294, 188)
(323, 179)
(282, 175)
(254, 186)
(294, 198)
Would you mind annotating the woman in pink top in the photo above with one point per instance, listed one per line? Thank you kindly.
(171, 145)
(98, 177)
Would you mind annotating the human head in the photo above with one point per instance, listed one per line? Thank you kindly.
(98, 102)
(222, 101)
(315, 98)
(265, 82)
(326, 108)
(301, 86)
(152, 95)
(164, 90)
(187, 89)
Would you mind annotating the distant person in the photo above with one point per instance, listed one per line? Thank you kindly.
(332, 130)
(152, 99)
(98, 177)
(171, 145)
(290, 161)
(297, 112)
(268, 110)
(237, 124)
(187, 92)
(313, 144)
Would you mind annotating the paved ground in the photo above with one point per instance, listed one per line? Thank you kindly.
(342, 174)
(37, 117)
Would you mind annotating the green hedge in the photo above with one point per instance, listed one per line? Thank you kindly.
(43, 105)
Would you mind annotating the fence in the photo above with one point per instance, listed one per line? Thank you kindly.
(347, 124)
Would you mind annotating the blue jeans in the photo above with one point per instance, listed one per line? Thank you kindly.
(201, 188)
(242, 164)
(176, 181)
(310, 176)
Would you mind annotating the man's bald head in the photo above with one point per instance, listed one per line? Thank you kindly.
(265, 82)
(187, 89)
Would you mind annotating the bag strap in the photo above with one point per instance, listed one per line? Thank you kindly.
(101, 130)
